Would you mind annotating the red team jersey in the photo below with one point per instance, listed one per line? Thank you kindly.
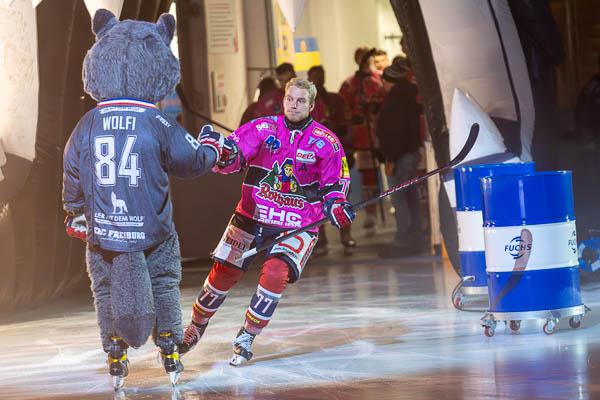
(362, 96)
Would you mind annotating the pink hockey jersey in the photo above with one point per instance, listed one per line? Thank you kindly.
(289, 172)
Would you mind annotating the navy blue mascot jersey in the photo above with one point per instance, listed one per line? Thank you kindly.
(117, 164)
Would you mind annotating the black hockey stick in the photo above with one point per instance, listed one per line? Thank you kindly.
(460, 156)
(186, 104)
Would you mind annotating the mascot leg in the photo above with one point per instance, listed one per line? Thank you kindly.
(98, 266)
(132, 300)
(164, 264)
(273, 280)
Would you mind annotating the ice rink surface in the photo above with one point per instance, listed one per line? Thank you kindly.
(352, 328)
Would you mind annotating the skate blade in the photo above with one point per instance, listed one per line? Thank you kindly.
(118, 382)
(174, 377)
(237, 360)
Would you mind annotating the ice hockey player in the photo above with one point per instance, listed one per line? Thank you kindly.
(117, 164)
(296, 172)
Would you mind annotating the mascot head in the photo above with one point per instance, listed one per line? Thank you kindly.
(130, 59)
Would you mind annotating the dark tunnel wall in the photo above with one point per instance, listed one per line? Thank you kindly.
(38, 261)
(412, 25)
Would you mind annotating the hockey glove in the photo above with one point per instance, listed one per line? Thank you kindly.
(229, 153)
(212, 139)
(76, 225)
(339, 211)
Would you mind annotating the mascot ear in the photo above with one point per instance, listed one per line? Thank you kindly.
(166, 27)
(103, 21)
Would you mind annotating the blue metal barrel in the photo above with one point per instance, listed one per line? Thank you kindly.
(530, 242)
(471, 246)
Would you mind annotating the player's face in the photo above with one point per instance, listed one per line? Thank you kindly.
(287, 170)
(296, 104)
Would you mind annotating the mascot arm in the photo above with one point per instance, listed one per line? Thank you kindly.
(245, 142)
(73, 199)
(185, 157)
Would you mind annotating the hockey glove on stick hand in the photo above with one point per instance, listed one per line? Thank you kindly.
(76, 225)
(339, 211)
(212, 139)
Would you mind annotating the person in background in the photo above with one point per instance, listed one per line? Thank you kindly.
(265, 86)
(380, 60)
(587, 110)
(333, 118)
(363, 93)
(272, 102)
(398, 131)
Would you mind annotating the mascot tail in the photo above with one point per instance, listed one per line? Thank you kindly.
(132, 300)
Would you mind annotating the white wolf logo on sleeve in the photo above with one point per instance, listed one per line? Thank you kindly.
(118, 204)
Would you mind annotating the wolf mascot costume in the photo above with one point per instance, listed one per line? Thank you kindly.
(116, 187)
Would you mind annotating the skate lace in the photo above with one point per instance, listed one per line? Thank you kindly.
(191, 334)
(245, 340)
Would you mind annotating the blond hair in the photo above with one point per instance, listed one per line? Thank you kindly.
(303, 84)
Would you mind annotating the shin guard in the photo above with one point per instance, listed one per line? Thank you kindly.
(273, 280)
(213, 293)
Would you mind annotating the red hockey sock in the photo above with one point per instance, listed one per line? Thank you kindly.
(220, 279)
(273, 280)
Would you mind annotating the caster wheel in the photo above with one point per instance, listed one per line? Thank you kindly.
(575, 321)
(458, 302)
(514, 325)
(549, 327)
(488, 331)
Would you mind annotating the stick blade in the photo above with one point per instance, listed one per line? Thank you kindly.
(473, 134)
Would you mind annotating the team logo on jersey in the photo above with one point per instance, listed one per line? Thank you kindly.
(317, 142)
(272, 143)
(304, 156)
(265, 125)
(270, 215)
(234, 136)
(281, 187)
(327, 136)
(119, 206)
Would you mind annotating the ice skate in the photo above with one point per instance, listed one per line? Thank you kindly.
(192, 335)
(242, 348)
(118, 364)
(369, 226)
(169, 357)
(346, 238)
(320, 250)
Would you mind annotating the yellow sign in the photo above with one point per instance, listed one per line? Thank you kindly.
(306, 53)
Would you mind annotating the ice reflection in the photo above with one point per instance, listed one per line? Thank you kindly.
(349, 330)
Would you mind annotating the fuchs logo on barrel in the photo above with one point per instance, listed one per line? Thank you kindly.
(517, 247)
(573, 242)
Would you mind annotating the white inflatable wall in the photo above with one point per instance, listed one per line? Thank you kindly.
(19, 81)
(468, 41)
